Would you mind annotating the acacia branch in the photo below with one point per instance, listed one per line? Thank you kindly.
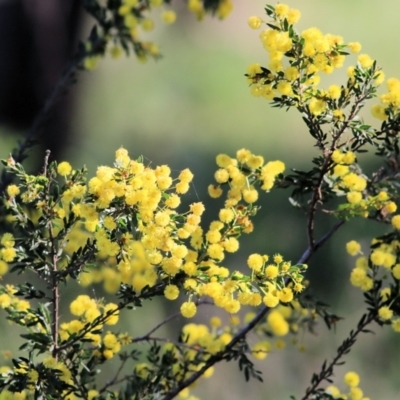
(344, 348)
(312, 249)
(317, 193)
(220, 356)
(247, 328)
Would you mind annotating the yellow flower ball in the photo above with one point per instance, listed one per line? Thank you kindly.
(188, 309)
(171, 292)
(353, 247)
(349, 158)
(281, 10)
(7, 240)
(13, 190)
(254, 22)
(396, 325)
(277, 323)
(270, 300)
(396, 221)
(385, 313)
(147, 24)
(285, 295)
(337, 156)
(334, 91)
(169, 17)
(293, 16)
(365, 61)
(390, 207)
(378, 111)
(231, 245)
(64, 168)
(255, 262)
(395, 271)
(271, 271)
(8, 254)
(354, 197)
(354, 47)
(317, 106)
(250, 195)
(214, 191)
(352, 379)
(379, 78)
(3, 268)
(333, 391)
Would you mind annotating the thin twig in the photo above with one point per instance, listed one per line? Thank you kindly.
(115, 380)
(312, 249)
(344, 348)
(166, 320)
(55, 297)
(148, 338)
(174, 342)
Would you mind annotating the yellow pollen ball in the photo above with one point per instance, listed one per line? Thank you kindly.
(64, 168)
(365, 61)
(169, 17)
(254, 22)
(171, 292)
(385, 313)
(271, 271)
(354, 47)
(255, 262)
(352, 379)
(396, 222)
(13, 190)
(353, 248)
(188, 309)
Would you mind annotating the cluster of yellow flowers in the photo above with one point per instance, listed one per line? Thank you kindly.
(280, 322)
(31, 377)
(352, 380)
(383, 259)
(8, 252)
(130, 211)
(390, 101)
(88, 311)
(241, 173)
(56, 368)
(134, 15)
(347, 178)
(9, 301)
(165, 233)
(308, 54)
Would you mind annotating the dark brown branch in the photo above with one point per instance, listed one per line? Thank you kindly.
(312, 249)
(220, 356)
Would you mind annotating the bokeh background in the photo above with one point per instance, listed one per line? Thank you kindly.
(195, 103)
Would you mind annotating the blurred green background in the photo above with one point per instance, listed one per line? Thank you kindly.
(195, 103)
